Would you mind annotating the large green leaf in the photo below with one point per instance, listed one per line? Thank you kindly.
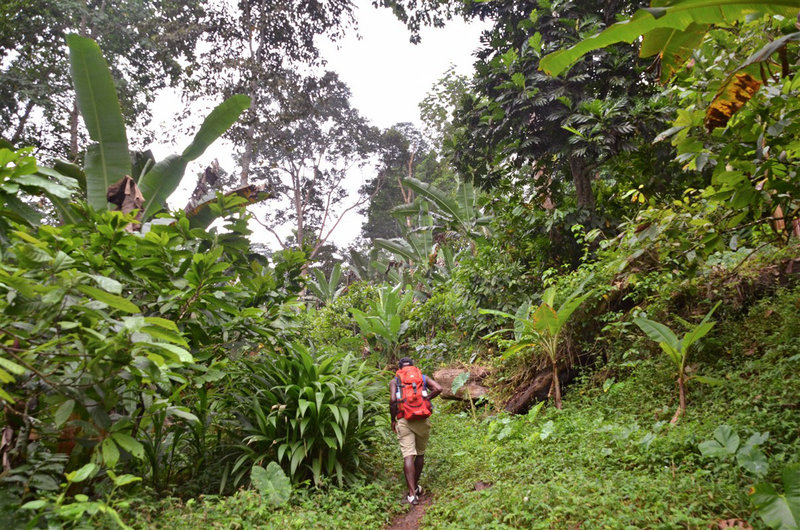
(691, 16)
(465, 195)
(19, 211)
(61, 194)
(398, 246)
(674, 44)
(699, 331)
(159, 183)
(495, 312)
(569, 307)
(107, 160)
(549, 296)
(422, 242)
(658, 332)
(112, 300)
(443, 202)
(42, 183)
(336, 274)
(402, 211)
(779, 510)
(725, 443)
(326, 290)
(272, 483)
(545, 319)
(216, 124)
(71, 170)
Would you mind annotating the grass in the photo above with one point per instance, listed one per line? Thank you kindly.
(609, 459)
(369, 504)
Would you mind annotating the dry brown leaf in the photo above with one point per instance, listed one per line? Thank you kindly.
(125, 195)
(731, 97)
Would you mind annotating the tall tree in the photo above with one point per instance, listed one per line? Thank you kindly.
(404, 153)
(522, 127)
(305, 150)
(251, 46)
(436, 109)
(149, 44)
(525, 123)
(401, 149)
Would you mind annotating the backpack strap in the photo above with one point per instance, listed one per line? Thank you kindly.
(399, 403)
(424, 382)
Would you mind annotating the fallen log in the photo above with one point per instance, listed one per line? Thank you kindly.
(537, 390)
(471, 389)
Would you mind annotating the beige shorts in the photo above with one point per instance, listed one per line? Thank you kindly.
(413, 436)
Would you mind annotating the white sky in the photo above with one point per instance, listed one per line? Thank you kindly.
(388, 77)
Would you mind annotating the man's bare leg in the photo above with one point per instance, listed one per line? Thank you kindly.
(419, 462)
(409, 468)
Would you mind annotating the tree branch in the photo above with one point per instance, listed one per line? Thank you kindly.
(273, 232)
(321, 240)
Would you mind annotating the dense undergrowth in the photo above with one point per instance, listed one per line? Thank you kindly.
(156, 372)
(608, 459)
(611, 459)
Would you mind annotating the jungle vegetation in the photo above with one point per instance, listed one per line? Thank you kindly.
(613, 183)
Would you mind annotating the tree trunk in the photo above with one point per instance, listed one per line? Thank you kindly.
(73, 132)
(299, 203)
(681, 397)
(556, 387)
(22, 122)
(536, 390)
(581, 177)
(247, 156)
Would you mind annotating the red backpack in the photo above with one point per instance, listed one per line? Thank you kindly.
(410, 385)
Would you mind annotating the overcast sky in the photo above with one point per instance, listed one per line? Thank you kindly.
(387, 75)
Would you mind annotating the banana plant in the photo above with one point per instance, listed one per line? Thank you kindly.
(326, 290)
(539, 329)
(416, 251)
(460, 213)
(670, 31)
(107, 158)
(367, 267)
(678, 350)
(383, 323)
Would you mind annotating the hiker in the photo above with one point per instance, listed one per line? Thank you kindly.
(410, 408)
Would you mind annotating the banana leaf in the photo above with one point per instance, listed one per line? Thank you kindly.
(668, 30)
(107, 159)
(159, 183)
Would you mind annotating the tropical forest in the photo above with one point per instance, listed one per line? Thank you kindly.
(588, 241)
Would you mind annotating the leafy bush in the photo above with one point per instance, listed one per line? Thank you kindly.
(438, 331)
(334, 325)
(385, 323)
(113, 345)
(316, 416)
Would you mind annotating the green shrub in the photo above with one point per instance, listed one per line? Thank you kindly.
(316, 416)
(334, 325)
(114, 346)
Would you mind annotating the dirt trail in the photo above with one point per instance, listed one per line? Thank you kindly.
(410, 520)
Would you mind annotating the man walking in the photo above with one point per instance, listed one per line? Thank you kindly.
(410, 409)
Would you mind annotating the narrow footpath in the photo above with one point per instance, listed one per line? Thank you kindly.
(410, 520)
